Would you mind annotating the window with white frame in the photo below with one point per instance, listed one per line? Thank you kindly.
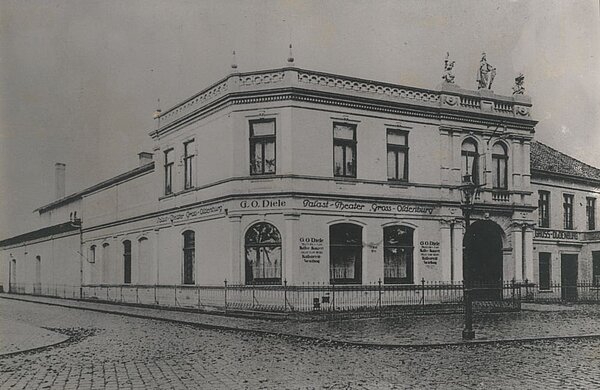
(262, 147)
(568, 211)
(499, 166)
(168, 167)
(397, 155)
(188, 164)
(344, 150)
(470, 161)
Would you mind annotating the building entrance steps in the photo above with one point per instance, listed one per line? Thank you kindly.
(534, 322)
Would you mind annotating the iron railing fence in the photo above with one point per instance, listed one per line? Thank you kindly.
(318, 299)
(322, 299)
(587, 291)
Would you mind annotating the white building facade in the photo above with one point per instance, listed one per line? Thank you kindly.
(294, 176)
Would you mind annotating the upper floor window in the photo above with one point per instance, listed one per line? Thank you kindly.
(188, 163)
(590, 211)
(262, 147)
(470, 157)
(169, 171)
(499, 166)
(568, 211)
(344, 150)
(544, 209)
(397, 155)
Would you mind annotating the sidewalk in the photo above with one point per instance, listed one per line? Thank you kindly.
(18, 336)
(534, 322)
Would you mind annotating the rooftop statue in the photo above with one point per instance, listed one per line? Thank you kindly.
(519, 89)
(485, 74)
(448, 69)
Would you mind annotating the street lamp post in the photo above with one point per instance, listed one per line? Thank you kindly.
(468, 192)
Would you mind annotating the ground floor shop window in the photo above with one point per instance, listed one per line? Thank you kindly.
(596, 268)
(189, 254)
(398, 254)
(263, 254)
(544, 271)
(127, 261)
(345, 253)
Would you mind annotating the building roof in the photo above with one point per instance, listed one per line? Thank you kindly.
(43, 232)
(106, 183)
(545, 159)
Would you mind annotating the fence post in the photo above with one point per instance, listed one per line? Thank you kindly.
(225, 296)
(379, 296)
(155, 296)
(253, 297)
(175, 294)
(285, 295)
(423, 293)
(333, 295)
(121, 294)
(468, 333)
(198, 291)
(137, 294)
(512, 286)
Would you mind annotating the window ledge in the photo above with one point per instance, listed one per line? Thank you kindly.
(345, 180)
(544, 291)
(171, 195)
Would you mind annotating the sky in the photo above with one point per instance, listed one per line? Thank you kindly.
(80, 80)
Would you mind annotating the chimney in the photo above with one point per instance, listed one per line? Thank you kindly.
(145, 158)
(59, 175)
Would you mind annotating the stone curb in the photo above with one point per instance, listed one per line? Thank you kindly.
(35, 349)
(310, 338)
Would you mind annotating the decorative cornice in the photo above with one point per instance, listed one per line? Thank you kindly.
(318, 87)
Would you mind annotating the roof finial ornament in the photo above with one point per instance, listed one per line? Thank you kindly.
(158, 111)
(290, 59)
(233, 62)
(448, 69)
(485, 74)
(518, 88)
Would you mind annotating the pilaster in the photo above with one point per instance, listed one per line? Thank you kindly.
(528, 254)
(457, 251)
(289, 269)
(517, 232)
(237, 262)
(446, 249)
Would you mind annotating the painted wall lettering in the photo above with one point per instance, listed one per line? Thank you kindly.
(311, 249)
(430, 252)
(192, 213)
(556, 234)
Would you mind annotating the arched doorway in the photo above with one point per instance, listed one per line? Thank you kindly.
(482, 255)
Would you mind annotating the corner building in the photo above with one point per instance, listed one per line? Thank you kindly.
(301, 176)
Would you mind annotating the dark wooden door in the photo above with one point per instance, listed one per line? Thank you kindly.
(568, 267)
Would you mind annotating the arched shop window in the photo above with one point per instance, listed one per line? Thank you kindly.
(398, 254)
(263, 254)
(345, 253)
(470, 157)
(189, 256)
(126, 261)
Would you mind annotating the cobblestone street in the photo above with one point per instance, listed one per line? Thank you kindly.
(113, 351)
